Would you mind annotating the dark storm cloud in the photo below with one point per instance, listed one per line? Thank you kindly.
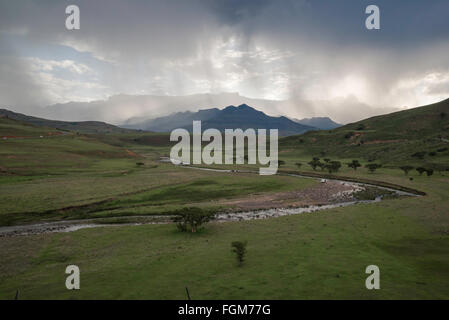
(318, 54)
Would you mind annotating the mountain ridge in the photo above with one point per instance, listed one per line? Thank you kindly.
(230, 117)
(78, 126)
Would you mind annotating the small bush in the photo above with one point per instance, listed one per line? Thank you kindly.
(406, 169)
(419, 155)
(191, 219)
(372, 167)
(420, 170)
(354, 164)
(239, 248)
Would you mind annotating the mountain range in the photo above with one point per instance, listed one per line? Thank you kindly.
(122, 108)
(231, 117)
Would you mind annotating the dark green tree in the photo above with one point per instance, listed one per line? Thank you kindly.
(354, 164)
(421, 170)
(314, 163)
(239, 248)
(372, 167)
(406, 169)
(191, 218)
(333, 166)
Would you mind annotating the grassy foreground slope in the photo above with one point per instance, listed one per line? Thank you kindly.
(319, 255)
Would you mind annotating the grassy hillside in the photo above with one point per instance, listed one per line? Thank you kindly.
(77, 126)
(10, 128)
(390, 139)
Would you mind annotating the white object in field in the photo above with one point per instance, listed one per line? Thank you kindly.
(323, 180)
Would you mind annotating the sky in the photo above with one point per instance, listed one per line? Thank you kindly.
(315, 57)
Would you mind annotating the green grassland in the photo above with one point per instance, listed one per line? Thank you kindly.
(318, 255)
(85, 176)
(309, 256)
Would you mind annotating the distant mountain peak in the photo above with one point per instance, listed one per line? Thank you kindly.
(230, 117)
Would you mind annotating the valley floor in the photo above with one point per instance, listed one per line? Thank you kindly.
(318, 255)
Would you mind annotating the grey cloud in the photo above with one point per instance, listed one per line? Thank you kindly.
(317, 53)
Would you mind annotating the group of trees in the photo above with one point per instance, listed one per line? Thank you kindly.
(334, 166)
(328, 164)
(191, 219)
(420, 170)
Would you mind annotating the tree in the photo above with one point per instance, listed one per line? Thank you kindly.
(354, 164)
(327, 160)
(239, 248)
(419, 155)
(333, 166)
(314, 163)
(280, 163)
(420, 170)
(321, 165)
(191, 218)
(429, 172)
(373, 167)
(298, 164)
(406, 169)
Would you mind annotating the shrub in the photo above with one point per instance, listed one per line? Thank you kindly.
(419, 155)
(420, 170)
(429, 172)
(354, 164)
(239, 248)
(373, 167)
(314, 163)
(406, 169)
(298, 164)
(140, 163)
(191, 218)
(333, 166)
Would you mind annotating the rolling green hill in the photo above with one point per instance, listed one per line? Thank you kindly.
(413, 136)
(10, 128)
(78, 126)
